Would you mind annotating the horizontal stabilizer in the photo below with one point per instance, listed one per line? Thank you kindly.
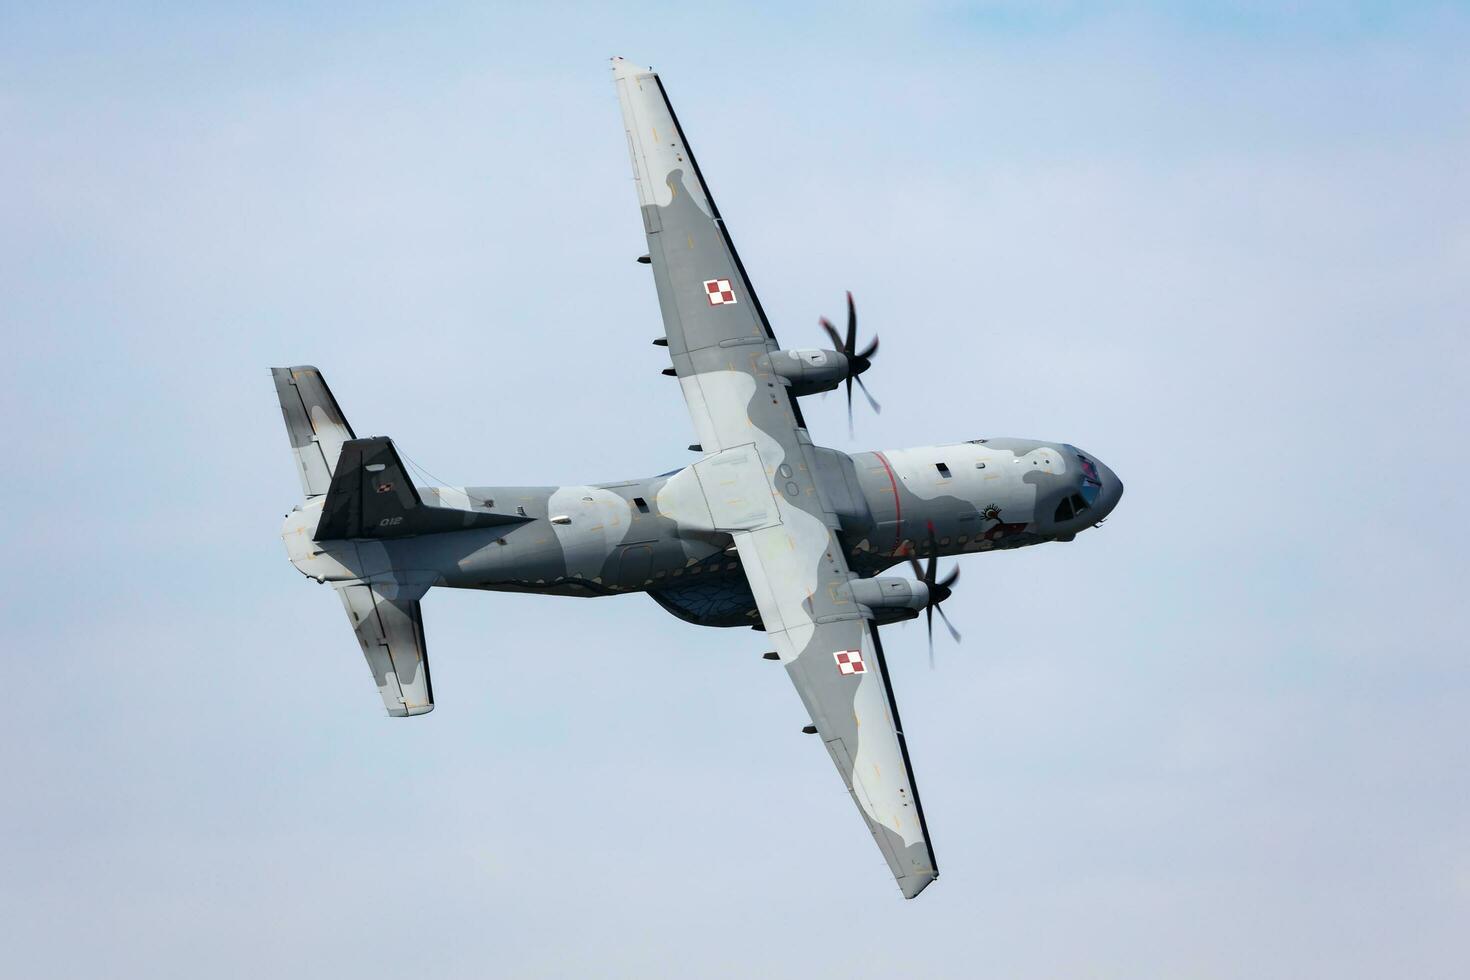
(314, 422)
(371, 496)
(390, 628)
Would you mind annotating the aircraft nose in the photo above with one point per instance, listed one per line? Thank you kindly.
(1111, 491)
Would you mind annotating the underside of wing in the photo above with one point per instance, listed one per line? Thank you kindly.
(703, 286)
(719, 338)
(756, 481)
(838, 669)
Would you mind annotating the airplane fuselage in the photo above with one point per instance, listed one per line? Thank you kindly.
(614, 538)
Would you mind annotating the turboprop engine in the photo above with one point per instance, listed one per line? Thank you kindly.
(890, 599)
(812, 370)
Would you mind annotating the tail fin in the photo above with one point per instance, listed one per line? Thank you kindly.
(315, 424)
(371, 496)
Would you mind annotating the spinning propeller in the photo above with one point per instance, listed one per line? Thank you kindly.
(858, 361)
(938, 591)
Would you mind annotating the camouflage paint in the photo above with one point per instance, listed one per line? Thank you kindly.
(765, 529)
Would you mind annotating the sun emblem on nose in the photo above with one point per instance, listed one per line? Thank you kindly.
(990, 513)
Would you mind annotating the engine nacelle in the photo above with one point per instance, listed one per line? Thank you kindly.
(812, 370)
(888, 598)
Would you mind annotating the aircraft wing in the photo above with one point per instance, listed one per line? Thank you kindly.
(756, 481)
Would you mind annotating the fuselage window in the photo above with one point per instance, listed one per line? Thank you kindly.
(641, 504)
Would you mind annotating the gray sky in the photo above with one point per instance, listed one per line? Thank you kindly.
(1225, 249)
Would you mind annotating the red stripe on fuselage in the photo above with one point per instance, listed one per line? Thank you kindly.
(897, 506)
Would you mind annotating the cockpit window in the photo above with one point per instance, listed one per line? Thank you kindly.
(943, 470)
(1073, 506)
(1089, 469)
(1091, 481)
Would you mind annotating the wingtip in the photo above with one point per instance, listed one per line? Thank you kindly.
(410, 712)
(912, 885)
(623, 68)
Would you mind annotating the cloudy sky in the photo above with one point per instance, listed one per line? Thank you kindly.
(1224, 248)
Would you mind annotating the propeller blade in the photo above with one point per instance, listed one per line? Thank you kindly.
(954, 633)
(832, 332)
(857, 362)
(849, 406)
(851, 325)
(939, 589)
(929, 613)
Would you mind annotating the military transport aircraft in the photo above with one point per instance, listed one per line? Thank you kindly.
(766, 530)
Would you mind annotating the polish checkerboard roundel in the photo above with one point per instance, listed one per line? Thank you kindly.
(719, 292)
(850, 662)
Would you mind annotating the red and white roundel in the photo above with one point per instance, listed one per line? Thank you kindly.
(719, 292)
(850, 662)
